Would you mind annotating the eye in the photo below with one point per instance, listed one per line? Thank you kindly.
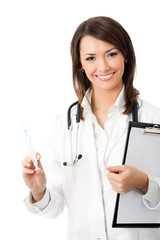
(112, 54)
(90, 58)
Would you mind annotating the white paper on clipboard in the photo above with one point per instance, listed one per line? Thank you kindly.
(131, 208)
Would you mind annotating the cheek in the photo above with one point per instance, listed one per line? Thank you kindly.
(89, 70)
(119, 65)
(121, 68)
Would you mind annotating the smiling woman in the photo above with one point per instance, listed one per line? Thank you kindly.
(103, 63)
(105, 44)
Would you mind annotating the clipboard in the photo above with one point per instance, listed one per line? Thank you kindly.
(142, 150)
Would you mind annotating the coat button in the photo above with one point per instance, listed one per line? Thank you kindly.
(98, 237)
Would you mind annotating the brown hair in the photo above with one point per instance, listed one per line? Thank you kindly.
(108, 30)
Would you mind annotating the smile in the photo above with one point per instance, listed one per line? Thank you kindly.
(104, 77)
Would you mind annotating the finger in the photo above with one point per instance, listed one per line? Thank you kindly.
(110, 176)
(28, 163)
(113, 178)
(113, 184)
(39, 164)
(115, 169)
(27, 158)
(27, 171)
(116, 189)
(25, 164)
(38, 156)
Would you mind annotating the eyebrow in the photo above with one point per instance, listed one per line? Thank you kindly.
(91, 54)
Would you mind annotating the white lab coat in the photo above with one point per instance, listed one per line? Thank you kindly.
(79, 187)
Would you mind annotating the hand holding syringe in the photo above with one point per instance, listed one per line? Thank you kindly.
(31, 149)
(34, 180)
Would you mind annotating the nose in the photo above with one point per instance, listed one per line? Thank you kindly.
(103, 65)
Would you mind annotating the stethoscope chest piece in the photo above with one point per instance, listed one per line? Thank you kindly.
(77, 158)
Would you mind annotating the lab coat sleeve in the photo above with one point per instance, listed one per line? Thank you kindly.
(152, 198)
(52, 204)
(38, 206)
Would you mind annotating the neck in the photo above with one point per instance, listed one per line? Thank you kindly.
(103, 100)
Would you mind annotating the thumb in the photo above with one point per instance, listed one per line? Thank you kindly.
(115, 169)
(38, 156)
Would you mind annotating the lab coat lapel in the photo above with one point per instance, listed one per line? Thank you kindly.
(119, 129)
(88, 146)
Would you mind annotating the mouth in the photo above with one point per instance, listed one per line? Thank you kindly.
(105, 77)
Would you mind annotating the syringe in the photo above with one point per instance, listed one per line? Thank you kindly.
(31, 149)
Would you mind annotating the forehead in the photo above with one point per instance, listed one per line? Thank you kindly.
(92, 44)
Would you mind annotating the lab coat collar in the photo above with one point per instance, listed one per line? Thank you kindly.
(119, 103)
(86, 102)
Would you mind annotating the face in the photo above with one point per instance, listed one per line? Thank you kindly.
(103, 63)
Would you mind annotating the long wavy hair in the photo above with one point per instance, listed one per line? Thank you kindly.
(108, 30)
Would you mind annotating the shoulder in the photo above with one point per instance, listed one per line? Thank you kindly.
(148, 112)
(61, 121)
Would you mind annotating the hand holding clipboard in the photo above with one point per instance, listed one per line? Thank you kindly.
(126, 178)
(142, 151)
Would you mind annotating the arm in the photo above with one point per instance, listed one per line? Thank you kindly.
(152, 198)
(41, 200)
(48, 200)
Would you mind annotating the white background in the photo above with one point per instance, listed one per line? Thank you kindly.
(36, 85)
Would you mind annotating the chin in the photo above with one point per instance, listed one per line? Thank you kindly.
(108, 86)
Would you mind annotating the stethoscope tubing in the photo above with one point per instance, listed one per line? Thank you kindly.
(70, 128)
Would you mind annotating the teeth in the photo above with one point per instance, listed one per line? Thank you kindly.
(106, 76)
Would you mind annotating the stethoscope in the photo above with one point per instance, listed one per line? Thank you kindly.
(70, 129)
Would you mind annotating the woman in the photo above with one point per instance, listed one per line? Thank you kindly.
(103, 73)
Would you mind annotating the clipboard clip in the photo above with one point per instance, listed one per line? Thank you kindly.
(153, 130)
